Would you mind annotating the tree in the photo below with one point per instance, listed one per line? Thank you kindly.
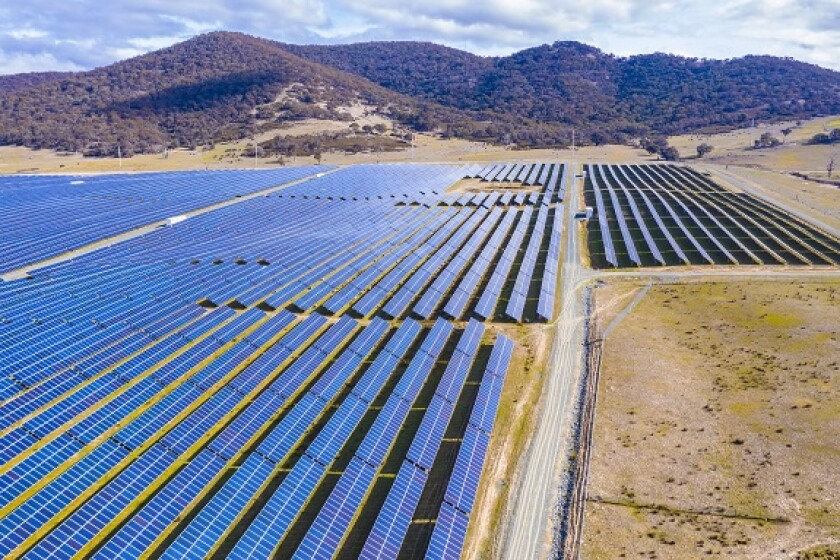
(599, 138)
(830, 166)
(670, 154)
(654, 145)
(767, 140)
(704, 149)
(785, 132)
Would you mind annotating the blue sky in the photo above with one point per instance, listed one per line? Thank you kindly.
(37, 35)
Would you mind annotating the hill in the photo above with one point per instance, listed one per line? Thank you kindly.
(224, 86)
(15, 82)
(215, 87)
(575, 84)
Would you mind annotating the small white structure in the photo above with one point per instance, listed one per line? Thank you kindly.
(175, 220)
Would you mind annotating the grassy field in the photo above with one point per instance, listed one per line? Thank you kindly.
(794, 155)
(716, 423)
(224, 156)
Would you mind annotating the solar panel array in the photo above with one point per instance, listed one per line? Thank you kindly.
(665, 215)
(234, 385)
(43, 216)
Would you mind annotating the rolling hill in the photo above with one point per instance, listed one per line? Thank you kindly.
(573, 83)
(224, 86)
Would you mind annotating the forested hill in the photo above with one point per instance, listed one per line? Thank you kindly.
(14, 82)
(223, 86)
(573, 83)
(215, 87)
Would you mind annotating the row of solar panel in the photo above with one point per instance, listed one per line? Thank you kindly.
(450, 531)
(200, 469)
(41, 217)
(20, 380)
(157, 397)
(117, 373)
(203, 415)
(669, 215)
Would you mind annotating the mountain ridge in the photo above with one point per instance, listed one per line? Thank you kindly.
(225, 86)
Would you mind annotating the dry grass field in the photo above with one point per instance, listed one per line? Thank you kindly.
(427, 149)
(793, 156)
(716, 424)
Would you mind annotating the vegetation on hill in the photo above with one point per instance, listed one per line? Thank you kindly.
(16, 82)
(575, 84)
(224, 86)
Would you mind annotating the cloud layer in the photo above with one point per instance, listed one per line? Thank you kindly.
(39, 35)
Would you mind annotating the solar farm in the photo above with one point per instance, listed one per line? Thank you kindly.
(665, 215)
(312, 371)
(310, 362)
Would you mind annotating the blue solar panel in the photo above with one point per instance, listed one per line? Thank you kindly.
(603, 224)
(140, 531)
(487, 303)
(22, 476)
(449, 534)
(391, 525)
(92, 517)
(201, 420)
(52, 215)
(24, 520)
(637, 215)
(268, 529)
(205, 530)
(247, 424)
(126, 359)
(429, 435)
(463, 483)
(333, 520)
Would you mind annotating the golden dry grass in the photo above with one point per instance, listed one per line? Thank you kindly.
(718, 408)
(795, 155)
(428, 149)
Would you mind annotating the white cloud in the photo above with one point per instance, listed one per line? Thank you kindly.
(87, 33)
(15, 63)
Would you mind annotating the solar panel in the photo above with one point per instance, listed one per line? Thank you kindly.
(463, 483)
(618, 211)
(603, 223)
(136, 536)
(449, 534)
(654, 249)
(122, 386)
(334, 518)
(205, 530)
(391, 525)
(658, 219)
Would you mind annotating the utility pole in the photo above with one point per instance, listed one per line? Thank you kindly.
(573, 139)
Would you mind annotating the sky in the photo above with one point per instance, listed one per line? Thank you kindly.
(40, 35)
